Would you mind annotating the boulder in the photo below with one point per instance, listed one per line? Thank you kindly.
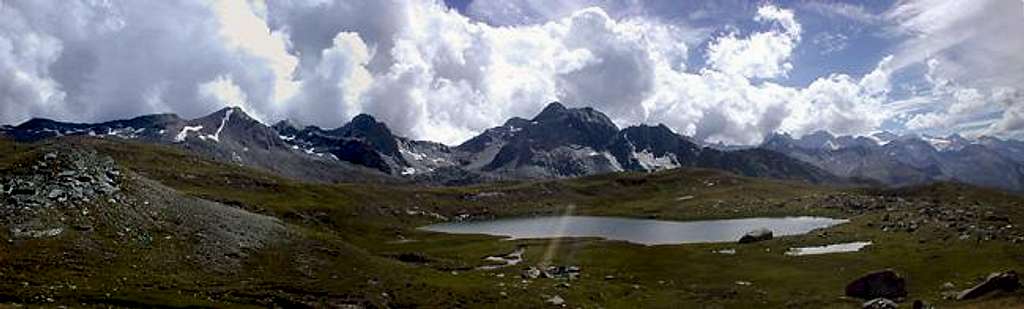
(531, 273)
(920, 304)
(556, 301)
(757, 235)
(880, 303)
(880, 284)
(1005, 281)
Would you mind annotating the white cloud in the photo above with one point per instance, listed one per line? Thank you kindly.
(845, 10)
(974, 38)
(244, 30)
(426, 70)
(26, 88)
(830, 42)
(763, 54)
(948, 104)
(116, 59)
(331, 93)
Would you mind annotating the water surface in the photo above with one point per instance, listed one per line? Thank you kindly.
(640, 231)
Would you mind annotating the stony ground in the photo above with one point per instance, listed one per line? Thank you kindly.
(142, 226)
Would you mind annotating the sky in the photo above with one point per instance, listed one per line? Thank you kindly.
(725, 71)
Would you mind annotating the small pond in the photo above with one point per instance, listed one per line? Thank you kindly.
(639, 231)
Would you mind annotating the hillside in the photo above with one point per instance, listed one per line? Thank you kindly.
(183, 230)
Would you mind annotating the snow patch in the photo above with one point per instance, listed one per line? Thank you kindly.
(408, 171)
(413, 155)
(728, 251)
(185, 131)
(834, 248)
(223, 122)
(511, 259)
(650, 162)
(830, 145)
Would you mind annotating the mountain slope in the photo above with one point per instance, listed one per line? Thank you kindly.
(910, 160)
(227, 135)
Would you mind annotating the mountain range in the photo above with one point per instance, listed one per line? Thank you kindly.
(895, 160)
(559, 142)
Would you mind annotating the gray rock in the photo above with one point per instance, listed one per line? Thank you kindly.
(757, 235)
(880, 303)
(531, 273)
(1005, 281)
(879, 284)
(556, 301)
(55, 193)
(920, 304)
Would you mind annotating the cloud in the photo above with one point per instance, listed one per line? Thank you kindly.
(26, 88)
(763, 54)
(947, 105)
(1011, 122)
(829, 42)
(332, 91)
(115, 59)
(971, 38)
(844, 10)
(428, 71)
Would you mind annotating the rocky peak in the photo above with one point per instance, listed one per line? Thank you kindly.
(43, 123)
(777, 140)
(885, 136)
(559, 126)
(516, 122)
(286, 127)
(658, 137)
(364, 127)
(817, 140)
(364, 123)
(155, 120)
(648, 148)
(552, 111)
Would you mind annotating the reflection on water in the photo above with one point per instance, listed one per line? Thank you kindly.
(640, 231)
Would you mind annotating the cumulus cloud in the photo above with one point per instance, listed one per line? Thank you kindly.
(331, 92)
(114, 59)
(763, 54)
(429, 71)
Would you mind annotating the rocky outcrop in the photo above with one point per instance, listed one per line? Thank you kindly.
(60, 180)
(1005, 281)
(881, 284)
(85, 198)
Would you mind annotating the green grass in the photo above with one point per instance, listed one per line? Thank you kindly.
(344, 243)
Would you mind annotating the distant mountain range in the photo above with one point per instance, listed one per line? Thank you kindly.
(559, 142)
(907, 160)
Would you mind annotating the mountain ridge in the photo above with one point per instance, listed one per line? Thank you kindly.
(910, 159)
(559, 142)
